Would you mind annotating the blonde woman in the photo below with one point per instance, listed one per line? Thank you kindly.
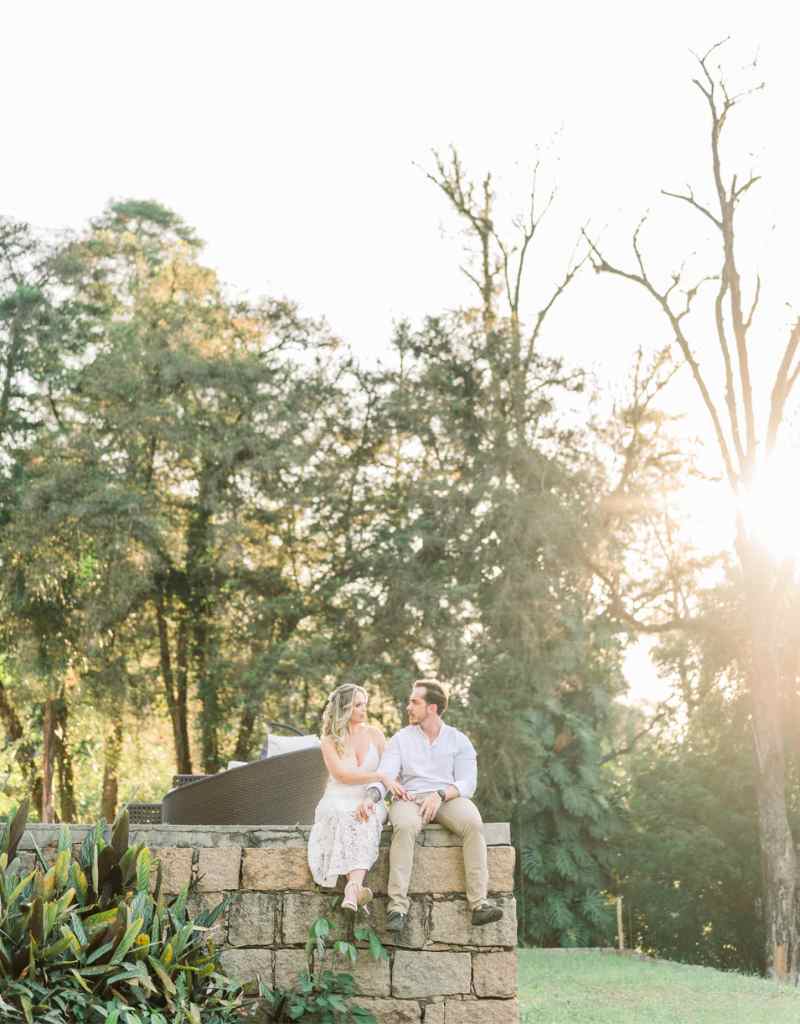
(340, 843)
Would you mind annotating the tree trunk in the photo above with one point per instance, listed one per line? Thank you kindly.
(199, 577)
(63, 757)
(763, 592)
(175, 689)
(207, 692)
(181, 722)
(111, 757)
(48, 751)
(25, 750)
(779, 859)
(244, 737)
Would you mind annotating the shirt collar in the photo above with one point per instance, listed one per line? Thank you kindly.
(438, 738)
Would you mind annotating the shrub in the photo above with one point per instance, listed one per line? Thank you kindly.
(322, 995)
(86, 940)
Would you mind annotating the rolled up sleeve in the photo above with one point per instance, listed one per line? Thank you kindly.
(390, 764)
(465, 768)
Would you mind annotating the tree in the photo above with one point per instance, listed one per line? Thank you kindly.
(185, 477)
(743, 449)
(38, 351)
(688, 856)
(470, 505)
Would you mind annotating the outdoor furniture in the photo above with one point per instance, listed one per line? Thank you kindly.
(282, 795)
(144, 814)
(282, 790)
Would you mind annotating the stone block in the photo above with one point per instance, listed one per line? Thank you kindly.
(218, 869)
(414, 935)
(391, 1011)
(417, 974)
(437, 869)
(372, 977)
(433, 1013)
(494, 975)
(481, 1011)
(199, 903)
(176, 869)
(501, 861)
(213, 836)
(276, 870)
(301, 910)
(289, 963)
(248, 965)
(497, 833)
(441, 869)
(450, 923)
(378, 875)
(251, 920)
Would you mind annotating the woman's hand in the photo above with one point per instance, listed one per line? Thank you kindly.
(364, 809)
(394, 787)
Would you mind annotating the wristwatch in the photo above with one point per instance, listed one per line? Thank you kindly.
(442, 794)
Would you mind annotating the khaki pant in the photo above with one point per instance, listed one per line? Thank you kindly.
(460, 816)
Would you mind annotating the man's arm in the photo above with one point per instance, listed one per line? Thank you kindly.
(465, 768)
(390, 765)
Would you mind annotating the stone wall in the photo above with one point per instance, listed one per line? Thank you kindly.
(441, 969)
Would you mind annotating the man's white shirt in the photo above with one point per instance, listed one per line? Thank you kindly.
(422, 766)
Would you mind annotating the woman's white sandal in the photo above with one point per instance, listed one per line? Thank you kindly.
(351, 895)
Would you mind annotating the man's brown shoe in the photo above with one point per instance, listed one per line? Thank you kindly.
(485, 914)
(395, 921)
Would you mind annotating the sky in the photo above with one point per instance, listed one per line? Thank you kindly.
(295, 138)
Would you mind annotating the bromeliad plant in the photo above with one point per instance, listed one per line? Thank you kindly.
(86, 940)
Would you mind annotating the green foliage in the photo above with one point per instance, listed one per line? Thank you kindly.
(476, 544)
(688, 862)
(86, 940)
(563, 833)
(240, 518)
(322, 994)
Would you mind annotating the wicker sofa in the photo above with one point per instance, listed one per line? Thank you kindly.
(283, 789)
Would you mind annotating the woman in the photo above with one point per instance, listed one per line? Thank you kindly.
(339, 843)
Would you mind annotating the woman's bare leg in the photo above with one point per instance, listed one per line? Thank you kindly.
(355, 894)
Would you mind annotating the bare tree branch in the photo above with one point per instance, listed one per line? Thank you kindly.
(783, 386)
(730, 389)
(690, 199)
(663, 710)
(542, 314)
(601, 265)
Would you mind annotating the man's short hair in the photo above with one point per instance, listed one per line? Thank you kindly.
(435, 693)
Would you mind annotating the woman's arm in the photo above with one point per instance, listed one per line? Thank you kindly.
(341, 773)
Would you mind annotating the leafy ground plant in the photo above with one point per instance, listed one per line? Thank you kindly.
(322, 993)
(89, 939)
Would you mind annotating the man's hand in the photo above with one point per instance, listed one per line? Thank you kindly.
(429, 807)
(394, 787)
(364, 809)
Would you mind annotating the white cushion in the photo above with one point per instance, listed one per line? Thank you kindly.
(286, 744)
(236, 764)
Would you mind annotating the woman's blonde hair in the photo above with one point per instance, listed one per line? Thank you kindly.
(338, 709)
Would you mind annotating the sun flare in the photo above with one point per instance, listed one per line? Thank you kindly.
(770, 508)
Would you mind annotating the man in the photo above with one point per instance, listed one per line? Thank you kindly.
(437, 768)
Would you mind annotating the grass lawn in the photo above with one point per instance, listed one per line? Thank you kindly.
(600, 988)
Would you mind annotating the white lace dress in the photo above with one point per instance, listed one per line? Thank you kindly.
(339, 842)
